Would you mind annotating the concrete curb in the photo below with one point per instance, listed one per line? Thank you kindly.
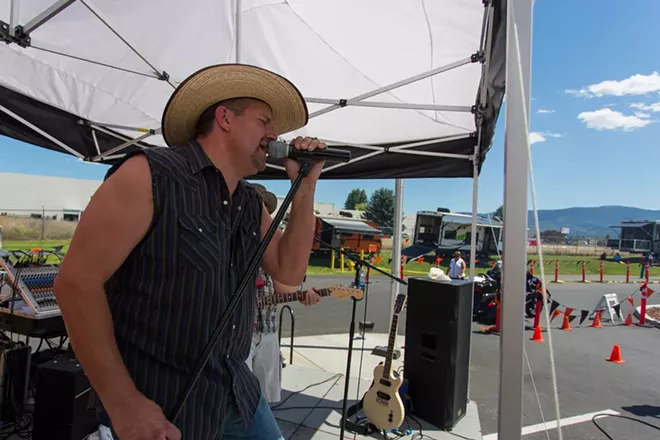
(650, 321)
(604, 282)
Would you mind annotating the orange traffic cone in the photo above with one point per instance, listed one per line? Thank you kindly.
(537, 334)
(628, 321)
(616, 356)
(596, 323)
(566, 325)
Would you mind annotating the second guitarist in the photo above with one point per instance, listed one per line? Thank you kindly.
(265, 359)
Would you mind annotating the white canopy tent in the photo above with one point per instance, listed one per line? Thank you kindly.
(412, 88)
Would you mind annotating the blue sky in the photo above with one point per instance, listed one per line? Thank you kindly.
(596, 78)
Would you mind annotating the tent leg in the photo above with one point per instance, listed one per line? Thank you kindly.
(238, 31)
(396, 244)
(14, 16)
(473, 242)
(519, 20)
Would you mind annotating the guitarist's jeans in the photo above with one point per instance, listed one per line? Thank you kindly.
(265, 362)
(262, 427)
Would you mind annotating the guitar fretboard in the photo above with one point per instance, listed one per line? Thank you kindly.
(387, 371)
(279, 298)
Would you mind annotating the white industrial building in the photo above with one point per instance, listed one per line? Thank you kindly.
(31, 195)
(66, 198)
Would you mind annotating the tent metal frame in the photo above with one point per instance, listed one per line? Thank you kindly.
(519, 18)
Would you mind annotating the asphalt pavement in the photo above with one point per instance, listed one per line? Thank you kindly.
(586, 382)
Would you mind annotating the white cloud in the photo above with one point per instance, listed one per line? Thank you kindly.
(536, 137)
(554, 135)
(642, 115)
(542, 110)
(635, 85)
(655, 107)
(608, 119)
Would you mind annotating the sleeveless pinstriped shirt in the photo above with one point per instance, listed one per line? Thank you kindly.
(169, 294)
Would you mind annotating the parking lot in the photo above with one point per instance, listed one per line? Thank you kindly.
(587, 383)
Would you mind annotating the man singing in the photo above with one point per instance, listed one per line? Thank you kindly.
(163, 246)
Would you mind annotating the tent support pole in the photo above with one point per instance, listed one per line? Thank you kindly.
(518, 65)
(473, 242)
(163, 76)
(395, 105)
(121, 127)
(396, 85)
(238, 31)
(396, 246)
(59, 143)
(14, 16)
(121, 147)
(46, 15)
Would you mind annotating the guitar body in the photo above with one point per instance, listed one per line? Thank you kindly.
(382, 403)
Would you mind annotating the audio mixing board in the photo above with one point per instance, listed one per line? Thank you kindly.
(27, 302)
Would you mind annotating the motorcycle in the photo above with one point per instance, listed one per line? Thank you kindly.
(487, 289)
(534, 294)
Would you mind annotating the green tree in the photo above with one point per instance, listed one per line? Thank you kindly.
(380, 209)
(355, 197)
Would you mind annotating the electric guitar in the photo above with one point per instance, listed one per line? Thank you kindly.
(338, 292)
(382, 403)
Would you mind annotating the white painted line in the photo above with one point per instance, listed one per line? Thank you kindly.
(553, 424)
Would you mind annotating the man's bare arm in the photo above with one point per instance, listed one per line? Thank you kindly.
(287, 256)
(114, 222)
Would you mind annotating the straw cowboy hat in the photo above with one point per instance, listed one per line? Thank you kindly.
(270, 200)
(216, 83)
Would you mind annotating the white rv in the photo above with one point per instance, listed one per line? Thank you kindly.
(444, 233)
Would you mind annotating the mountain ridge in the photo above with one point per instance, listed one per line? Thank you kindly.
(590, 221)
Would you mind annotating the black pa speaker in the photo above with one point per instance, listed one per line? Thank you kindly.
(437, 354)
(61, 402)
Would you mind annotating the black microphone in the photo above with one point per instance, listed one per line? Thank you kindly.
(280, 150)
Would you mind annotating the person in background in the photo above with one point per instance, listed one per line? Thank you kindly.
(457, 267)
(265, 359)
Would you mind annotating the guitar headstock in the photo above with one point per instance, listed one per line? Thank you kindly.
(399, 302)
(342, 292)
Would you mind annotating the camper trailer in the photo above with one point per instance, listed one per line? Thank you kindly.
(637, 236)
(353, 235)
(444, 233)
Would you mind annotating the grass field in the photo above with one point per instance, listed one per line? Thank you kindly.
(320, 265)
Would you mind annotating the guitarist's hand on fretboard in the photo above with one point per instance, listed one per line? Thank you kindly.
(311, 297)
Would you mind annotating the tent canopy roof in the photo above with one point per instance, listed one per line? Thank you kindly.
(409, 82)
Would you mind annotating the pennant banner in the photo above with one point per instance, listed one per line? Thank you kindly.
(554, 305)
(583, 315)
(557, 308)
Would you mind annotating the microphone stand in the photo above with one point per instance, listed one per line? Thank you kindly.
(305, 166)
(354, 426)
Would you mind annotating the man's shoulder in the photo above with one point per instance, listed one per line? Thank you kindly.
(160, 159)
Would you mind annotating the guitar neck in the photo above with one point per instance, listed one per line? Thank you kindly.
(387, 370)
(281, 298)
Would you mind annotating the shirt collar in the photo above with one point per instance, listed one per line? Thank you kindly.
(198, 158)
(200, 161)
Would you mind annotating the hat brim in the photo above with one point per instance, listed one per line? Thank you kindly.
(217, 83)
(269, 199)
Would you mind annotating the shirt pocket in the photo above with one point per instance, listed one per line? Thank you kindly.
(250, 237)
(199, 247)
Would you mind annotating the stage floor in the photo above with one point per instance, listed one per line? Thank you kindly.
(312, 404)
